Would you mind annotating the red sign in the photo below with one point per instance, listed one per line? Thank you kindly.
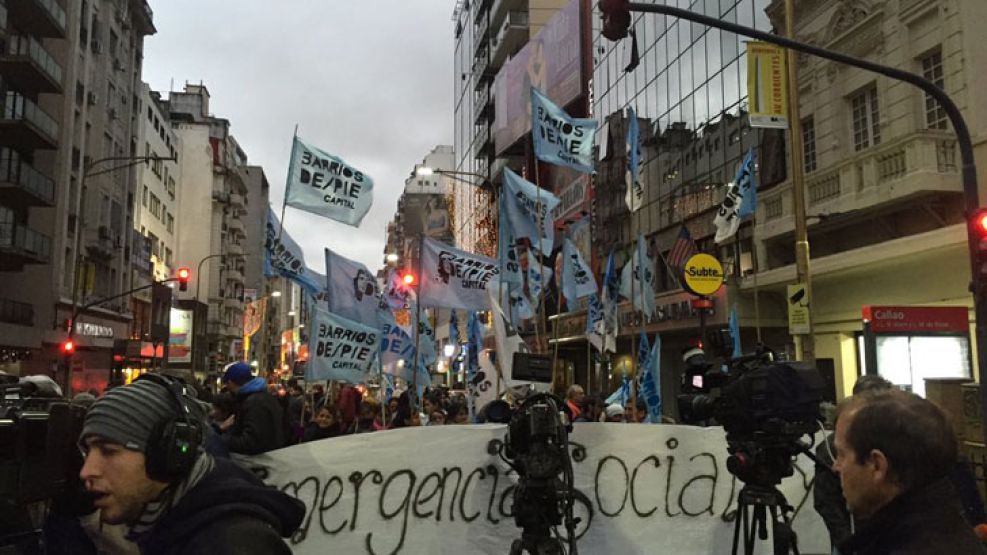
(918, 319)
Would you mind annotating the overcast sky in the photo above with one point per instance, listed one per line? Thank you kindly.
(367, 80)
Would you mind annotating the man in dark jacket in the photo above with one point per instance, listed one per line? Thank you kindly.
(258, 423)
(146, 468)
(894, 453)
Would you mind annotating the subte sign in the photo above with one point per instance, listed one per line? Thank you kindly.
(702, 275)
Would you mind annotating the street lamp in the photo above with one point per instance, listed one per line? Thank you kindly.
(392, 258)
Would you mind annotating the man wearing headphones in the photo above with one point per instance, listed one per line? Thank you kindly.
(146, 468)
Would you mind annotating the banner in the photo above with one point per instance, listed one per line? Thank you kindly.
(283, 257)
(766, 87)
(353, 290)
(649, 379)
(641, 268)
(323, 184)
(638, 490)
(560, 139)
(577, 277)
(340, 349)
(527, 211)
(453, 278)
(635, 192)
(739, 201)
(253, 316)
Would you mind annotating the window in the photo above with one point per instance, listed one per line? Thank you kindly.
(155, 251)
(866, 119)
(144, 197)
(935, 115)
(171, 224)
(809, 144)
(167, 257)
(155, 206)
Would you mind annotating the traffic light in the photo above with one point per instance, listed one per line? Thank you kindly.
(183, 274)
(616, 18)
(68, 347)
(978, 231)
(408, 279)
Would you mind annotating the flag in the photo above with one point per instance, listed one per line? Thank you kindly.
(397, 350)
(507, 339)
(454, 331)
(453, 278)
(325, 185)
(527, 211)
(734, 328)
(283, 257)
(739, 201)
(635, 192)
(595, 325)
(560, 139)
(510, 265)
(608, 325)
(640, 269)
(397, 294)
(388, 387)
(353, 291)
(622, 395)
(577, 277)
(649, 378)
(474, 343)
(340, 349)
(538, 276)
(426, 342)
(682, 250)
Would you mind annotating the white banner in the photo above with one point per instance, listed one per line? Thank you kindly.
(454, 278)
(641, 488)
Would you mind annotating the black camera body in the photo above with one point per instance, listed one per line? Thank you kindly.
(765, 407)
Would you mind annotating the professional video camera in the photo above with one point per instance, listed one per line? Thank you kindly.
(39, 459)
(537, 448)
(765, 408)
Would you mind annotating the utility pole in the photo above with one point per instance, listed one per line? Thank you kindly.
(805, 345)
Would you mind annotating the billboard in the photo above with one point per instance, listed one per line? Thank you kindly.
(180, 336)
(551, 61)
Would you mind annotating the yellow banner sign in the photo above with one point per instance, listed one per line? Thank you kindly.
(766, 91)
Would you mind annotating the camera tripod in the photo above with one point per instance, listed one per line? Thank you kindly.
(537, 542)
(764, 500)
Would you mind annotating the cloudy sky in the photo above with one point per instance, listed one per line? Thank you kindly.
(368, 80)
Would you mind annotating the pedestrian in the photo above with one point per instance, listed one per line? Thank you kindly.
(894, 454)
(574, 399)
(325, 425)
(614, 413)
(146, 468)
(257, 424)
(295, 414)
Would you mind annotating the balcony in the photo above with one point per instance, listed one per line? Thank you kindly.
(511, 36)
(21, 245)
(220, 196)
(234, 248)
(13, 312)
(912, 167)
(143, 17)
(42, 18)
(234, 274)
(235, 225)
(21, 185)
(237, 200)
(481, 139)
(24, 125)
(483, 104)
(480, 29)
(28, 66)
(480, 63)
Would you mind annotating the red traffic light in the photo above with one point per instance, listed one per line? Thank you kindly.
(980, 222)
(616, 18)
(68, 347)
(183, 274)
(408, 279)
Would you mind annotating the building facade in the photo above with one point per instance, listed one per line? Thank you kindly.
(212, 239)
(69, 223)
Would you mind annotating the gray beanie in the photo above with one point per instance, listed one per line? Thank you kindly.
(127, 414)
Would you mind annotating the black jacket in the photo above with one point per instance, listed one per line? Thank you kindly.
(926, 521)
(229, 512)
(259, 424)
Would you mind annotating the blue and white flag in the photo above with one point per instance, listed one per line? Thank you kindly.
(622, 395)
(454, 331)
(594, 322)
(353, 289)
(340, 349)
(640, 269)
(397, 294)
(635, 192)
(426, 342)
(507, 256)
(283, 257)
(454, 278)
(507, 339)
(388, 387)
(734, 329)
(560, 139)
(538, 276)
(577, 277)
(323, 184)
(397, 351)
(740, 201)
(527, 211)
(605, 324)
(473, 345)
(649, 379)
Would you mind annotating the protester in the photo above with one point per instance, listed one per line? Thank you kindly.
(296, 411)
(635, 413)
(146, 469)
(392, 409)
(457, 413)
(369, 417)
(324, 426)
(894, 454)
(257, 425)
(437, 418)
(574, 399)
(591, 409)
(614, 413)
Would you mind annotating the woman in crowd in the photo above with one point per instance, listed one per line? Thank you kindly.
(325, 425)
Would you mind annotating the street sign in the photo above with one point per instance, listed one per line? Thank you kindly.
(798, 309)
(702, 274)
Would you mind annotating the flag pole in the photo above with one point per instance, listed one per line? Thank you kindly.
(757, 300)
(500, 285)
(558, 304)
(541, 312)
(287, 180)
(413, 397)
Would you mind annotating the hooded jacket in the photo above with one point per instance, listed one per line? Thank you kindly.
(230, 511)
(259, 424)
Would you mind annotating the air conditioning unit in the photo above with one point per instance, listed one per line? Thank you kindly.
(97, 47)
(112, 113)
(92, 98)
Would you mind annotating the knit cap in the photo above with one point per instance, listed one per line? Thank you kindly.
(614, 410)
(128, 414)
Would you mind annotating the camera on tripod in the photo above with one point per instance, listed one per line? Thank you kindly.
(537, 448)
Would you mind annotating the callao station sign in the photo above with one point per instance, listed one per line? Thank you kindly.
(917, 319)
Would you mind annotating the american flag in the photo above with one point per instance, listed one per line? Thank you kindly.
(682, 249)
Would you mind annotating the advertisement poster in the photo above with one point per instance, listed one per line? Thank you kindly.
(180, 336)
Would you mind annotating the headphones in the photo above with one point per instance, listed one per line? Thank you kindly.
(174, 444)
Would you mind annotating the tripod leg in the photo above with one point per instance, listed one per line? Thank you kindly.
(736, 529)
